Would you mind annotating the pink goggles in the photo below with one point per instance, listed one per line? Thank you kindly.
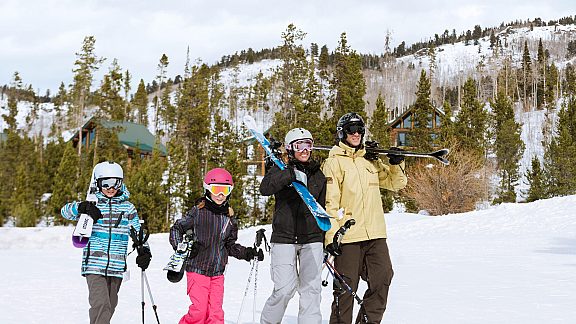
(302, 145)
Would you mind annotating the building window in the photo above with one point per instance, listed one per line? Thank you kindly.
(401, 139)
(438, 123)
(407, 123)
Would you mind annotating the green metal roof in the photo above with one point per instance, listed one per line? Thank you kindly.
(134, 135)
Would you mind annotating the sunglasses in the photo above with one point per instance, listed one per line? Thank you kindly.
(108, 183)
(355, 129)
(217, 189)
(300, 146)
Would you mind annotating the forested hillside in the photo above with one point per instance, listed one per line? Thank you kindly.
(486, 83)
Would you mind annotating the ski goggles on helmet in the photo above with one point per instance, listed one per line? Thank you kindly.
(301, 145)
(108, 183)
(216, 189)
(355, 128)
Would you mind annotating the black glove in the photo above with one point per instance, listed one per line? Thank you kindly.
(90, 209)
(251, 253)
(370, 155)
(394, 159)
(334, 249)
(143, 258)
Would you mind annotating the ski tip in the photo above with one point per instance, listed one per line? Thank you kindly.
(79, 241)
(249, 121)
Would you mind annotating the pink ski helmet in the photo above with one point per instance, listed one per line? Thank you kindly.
(219, 176)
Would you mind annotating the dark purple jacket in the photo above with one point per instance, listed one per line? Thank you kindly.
(216, 235)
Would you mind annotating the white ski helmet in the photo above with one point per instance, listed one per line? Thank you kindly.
(296, 134)
(108, 169)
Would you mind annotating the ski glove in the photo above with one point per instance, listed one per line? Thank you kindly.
(334, 249)
(88, 208)
(251, 253)
(143, 258)
(370, 155)
(300, 177)
(394, 159)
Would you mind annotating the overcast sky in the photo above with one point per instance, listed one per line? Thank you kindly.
(39, 38)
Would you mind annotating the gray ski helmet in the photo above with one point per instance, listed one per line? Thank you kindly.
(346, 120)
(296, 134)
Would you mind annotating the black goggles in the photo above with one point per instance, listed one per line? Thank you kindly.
(108, 183)
(351, 129)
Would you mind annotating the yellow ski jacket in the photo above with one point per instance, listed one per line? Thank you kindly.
(353, 184)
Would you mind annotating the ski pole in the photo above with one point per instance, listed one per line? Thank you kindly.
(150, 295)
(246, 291)
(257, 242)
(142, 291)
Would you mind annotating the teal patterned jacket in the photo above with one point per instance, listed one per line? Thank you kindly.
(106, 251)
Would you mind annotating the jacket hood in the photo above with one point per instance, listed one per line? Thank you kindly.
(122, 195)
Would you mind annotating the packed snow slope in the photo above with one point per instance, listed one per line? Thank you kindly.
(513, 263)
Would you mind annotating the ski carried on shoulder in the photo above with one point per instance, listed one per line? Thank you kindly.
(438, 155)
(322, 218)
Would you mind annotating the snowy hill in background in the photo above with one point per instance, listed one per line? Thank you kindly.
(514, 263)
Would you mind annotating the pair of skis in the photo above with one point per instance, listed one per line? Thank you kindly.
(83, 230)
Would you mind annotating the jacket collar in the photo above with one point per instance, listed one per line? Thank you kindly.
(345, 150)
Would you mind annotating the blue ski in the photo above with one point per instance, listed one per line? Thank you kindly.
(322, 218)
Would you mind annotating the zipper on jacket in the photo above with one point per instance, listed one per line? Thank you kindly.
(109, 235)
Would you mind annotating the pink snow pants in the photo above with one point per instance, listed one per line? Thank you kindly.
(207, 296)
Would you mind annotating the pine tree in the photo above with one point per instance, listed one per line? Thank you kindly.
(379, 123)
(291, 78)
(84, 67)
(60, 101)
(148, 192)
(535, 178)
(162, 67)
(508, 146)
(347, 83)
(140, 104)
(470, 126)
(24, 203)
(127, 88)
(421, 136)
(66, 187)
(570, 81)
(541, 81)
(447, 134)
(551, 86)
(323, 59)
(110, 98)
(379, 132)
(11, 148)
(526, 76)
(559, 155)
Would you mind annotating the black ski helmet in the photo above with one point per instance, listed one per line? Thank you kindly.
(345, 121)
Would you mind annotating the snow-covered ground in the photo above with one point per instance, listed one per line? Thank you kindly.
(514, 263)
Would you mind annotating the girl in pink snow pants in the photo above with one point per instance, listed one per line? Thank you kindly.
(216, 230)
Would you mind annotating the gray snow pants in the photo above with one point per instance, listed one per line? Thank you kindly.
(103, 297)
(287, 277)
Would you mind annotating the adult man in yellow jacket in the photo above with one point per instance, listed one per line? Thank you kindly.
(353, 181)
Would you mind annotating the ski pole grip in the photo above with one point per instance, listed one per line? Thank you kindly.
(259, 236)
(349, 223)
